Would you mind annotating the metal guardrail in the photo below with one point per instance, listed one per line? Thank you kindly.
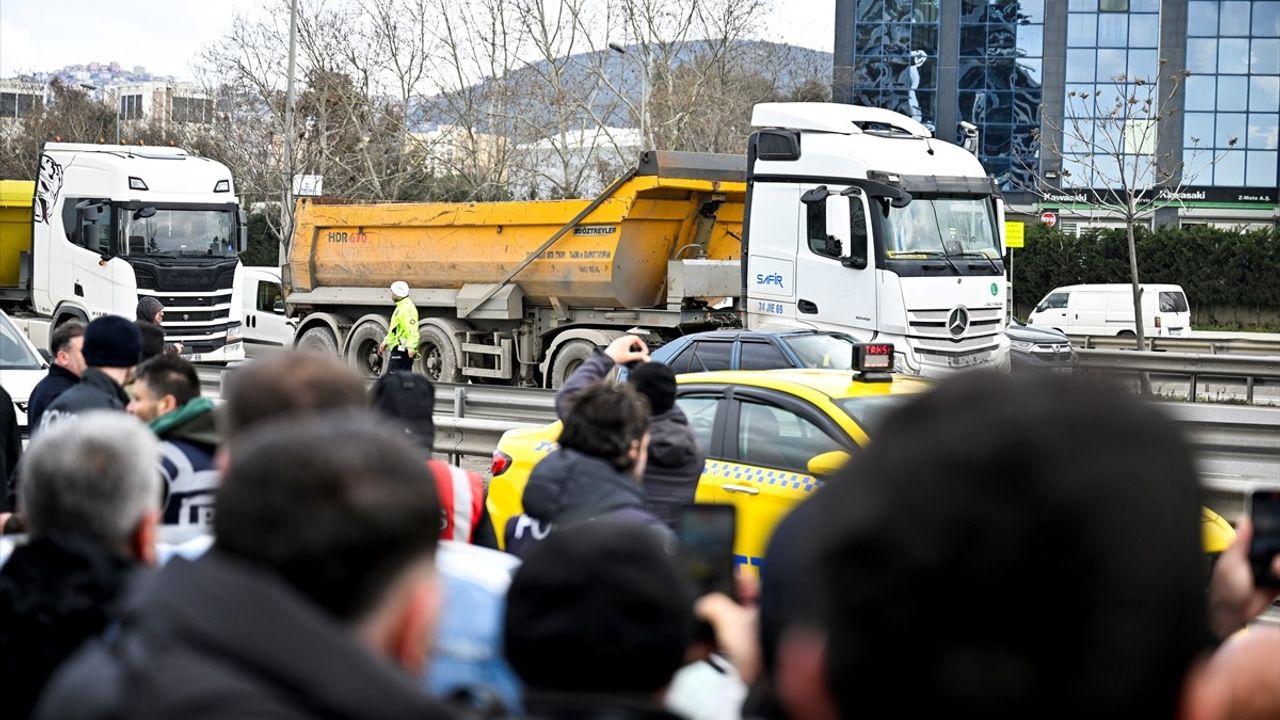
(1199, 343)
(1237, 447)
(1245, 368)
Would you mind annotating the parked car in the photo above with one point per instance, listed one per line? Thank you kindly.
(1039, 348)
(21, 366)
(1108, 310)
(769, 436)
(755, 350)
(265, 324)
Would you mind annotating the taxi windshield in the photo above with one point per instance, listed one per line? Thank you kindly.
(869, 411)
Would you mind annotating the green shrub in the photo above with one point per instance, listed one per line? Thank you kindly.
(1216, 267)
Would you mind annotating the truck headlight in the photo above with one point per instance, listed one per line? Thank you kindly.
(233, 333)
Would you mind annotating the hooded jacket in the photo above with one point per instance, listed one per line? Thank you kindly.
(95, 391)
(58, 381)
(675, 460)
(220, 638)
(55, 593)
(189, 440)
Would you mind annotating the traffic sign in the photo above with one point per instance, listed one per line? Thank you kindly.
(1048, 218)
(1014, 233)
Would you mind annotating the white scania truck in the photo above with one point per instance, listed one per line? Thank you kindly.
(859, 221)
(109, 224)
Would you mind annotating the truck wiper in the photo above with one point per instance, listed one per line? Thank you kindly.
(984, 256)
(930, 254)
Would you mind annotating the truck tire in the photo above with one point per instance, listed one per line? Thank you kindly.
(568, 358)
(362, 350)
(437, 358)
(319, 340)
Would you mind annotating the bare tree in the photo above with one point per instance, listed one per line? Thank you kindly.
(1108, 146)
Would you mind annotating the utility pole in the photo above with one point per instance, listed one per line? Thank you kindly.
(286, 203)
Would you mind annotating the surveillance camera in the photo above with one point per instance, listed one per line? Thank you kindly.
(969, 128)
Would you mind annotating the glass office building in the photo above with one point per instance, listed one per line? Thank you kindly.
(1020, 70)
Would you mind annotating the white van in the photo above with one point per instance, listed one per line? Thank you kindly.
(1108, 310)
(265, 324)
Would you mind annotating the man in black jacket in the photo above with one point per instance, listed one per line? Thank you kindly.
(314, 602)
(675, 461)
(595, 474)
(91, 499)
(112, 347)
(598, 620)
(67, 346)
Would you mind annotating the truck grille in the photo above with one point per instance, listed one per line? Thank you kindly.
(933, 336)
(198, 321)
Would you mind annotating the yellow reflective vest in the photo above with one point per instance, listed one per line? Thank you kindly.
(404, 327)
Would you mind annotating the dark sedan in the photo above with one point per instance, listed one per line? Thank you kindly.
(1032, 347)
(754, 350)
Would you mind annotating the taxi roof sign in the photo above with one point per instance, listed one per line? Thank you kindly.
(873, 362)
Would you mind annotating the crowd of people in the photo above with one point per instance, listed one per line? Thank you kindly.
(1007, 547)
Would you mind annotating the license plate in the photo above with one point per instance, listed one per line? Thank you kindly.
(194, 357)
(965, 361)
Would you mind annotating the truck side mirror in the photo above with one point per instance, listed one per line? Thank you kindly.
(144, 212)
(242, 237)
(837, 225)
(858, 236)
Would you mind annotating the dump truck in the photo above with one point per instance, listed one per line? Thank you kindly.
(522, 292)
(104, 225)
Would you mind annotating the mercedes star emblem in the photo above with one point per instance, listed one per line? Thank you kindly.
(958, 321)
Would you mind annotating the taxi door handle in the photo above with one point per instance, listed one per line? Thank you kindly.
(745, 489)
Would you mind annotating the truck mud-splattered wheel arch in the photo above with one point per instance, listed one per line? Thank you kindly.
(569, 358)
(436, 356)
(319, 340)
(362, 349)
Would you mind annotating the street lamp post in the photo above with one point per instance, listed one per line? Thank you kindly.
(90, 87)
(286, 211)
(644, 92)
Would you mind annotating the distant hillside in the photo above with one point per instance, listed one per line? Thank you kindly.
(786, 66)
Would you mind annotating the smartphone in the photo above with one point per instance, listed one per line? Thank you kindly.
(706, 534)
(1264, 512)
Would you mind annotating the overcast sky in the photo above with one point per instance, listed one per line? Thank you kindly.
(165, 35)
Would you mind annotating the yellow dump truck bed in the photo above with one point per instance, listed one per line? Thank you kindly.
(616, 257)
(15, 228)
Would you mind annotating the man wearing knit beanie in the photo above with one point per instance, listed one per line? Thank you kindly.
(675, 461)
(112, 347)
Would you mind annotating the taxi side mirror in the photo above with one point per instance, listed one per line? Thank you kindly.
(827, 462)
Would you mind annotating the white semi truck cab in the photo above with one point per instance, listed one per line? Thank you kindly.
(858, 220)
(112, 224)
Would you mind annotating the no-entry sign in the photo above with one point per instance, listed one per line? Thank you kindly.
(1049, 218)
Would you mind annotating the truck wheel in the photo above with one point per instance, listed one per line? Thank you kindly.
(319, 340)
(568, 358)
(362, 350)
(436, 357)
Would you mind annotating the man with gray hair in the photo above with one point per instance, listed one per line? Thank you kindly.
(90, 495)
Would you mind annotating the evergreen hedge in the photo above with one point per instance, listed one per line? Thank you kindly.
(1216, 267)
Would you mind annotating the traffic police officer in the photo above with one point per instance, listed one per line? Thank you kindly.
(402, 337)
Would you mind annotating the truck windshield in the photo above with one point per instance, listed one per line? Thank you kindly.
(941, 226)
(180, 233)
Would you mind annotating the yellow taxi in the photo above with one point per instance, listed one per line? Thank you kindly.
(769, 435)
